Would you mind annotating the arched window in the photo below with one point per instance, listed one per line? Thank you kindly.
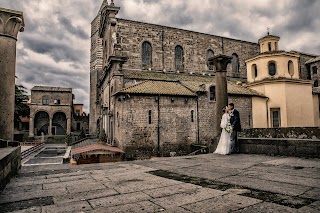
(146, 53)
(178, 53)
(150, 117)
(192, 115)
(290, 68)
(272, 68)
(212, 93)
(254, 71)
(235, 62)
(45, 100)
(210, 54)
(316, 83)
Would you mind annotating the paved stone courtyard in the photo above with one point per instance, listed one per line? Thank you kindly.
(202, 183)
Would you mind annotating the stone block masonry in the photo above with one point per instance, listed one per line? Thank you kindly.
(10, 162)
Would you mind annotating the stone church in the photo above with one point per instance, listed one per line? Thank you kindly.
(152, 88)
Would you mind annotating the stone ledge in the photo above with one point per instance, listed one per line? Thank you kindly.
(281, 146)
(10, 162)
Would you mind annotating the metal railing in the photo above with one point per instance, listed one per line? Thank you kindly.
(28, 152)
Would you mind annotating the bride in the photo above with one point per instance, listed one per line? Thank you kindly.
(224, 145)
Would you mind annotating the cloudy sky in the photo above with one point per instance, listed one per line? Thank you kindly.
(54, 49)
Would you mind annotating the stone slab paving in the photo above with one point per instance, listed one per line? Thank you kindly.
(248, 183)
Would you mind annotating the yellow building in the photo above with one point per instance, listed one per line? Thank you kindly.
(291, 101)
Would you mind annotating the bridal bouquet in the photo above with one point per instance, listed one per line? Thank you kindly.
(229, 128)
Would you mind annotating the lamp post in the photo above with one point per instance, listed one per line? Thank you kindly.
(220, 62)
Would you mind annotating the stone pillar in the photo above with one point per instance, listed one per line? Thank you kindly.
(68, 126)
(31, 128)
(50, 127)
(220, 62)
(11, 22)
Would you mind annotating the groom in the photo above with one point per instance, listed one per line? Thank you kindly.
(235, 123)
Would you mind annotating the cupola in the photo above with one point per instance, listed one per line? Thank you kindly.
(269, 43)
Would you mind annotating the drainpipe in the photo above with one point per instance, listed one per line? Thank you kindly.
(198, 135)
(158, 149)
(267, 106)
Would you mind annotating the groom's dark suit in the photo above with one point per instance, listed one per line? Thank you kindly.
(235, 122)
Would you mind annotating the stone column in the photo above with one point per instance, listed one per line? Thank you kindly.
(11, 22)
(220, 62)
(50, 127)
(31, 128)
(68, 126)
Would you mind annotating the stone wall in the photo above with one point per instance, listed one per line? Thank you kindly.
(177, 130)
(10, 162)
(64, 97)
(164, 40)
(95, 72)
(303, 70)
(290, 132)
(244, 105)
(281, 146)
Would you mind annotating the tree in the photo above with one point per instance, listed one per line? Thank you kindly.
(20, 109)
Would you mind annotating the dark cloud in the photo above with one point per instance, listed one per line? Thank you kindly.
(55, 49)
(60, 30)
(76, 31)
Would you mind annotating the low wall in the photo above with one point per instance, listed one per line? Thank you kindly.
(10, 162)
(290, 132)
(281, 146)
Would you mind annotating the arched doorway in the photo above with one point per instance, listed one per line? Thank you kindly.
(41, 123)
(59, 123)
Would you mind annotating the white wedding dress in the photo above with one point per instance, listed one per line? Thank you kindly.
(224, 145)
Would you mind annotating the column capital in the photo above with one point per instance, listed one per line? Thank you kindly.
(11, 22)
(220, 62)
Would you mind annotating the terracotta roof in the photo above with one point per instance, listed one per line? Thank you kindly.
(90, 145)
(269, 36)
(159, 88)
(95, 147)
(196, 86)
(48, 88)
(312, 60)
(192, 82)
(235, 89)
(148, 75)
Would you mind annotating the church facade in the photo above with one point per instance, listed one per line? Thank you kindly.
(152, 88)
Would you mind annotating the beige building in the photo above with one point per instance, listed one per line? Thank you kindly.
(50, 111)
(292, 101)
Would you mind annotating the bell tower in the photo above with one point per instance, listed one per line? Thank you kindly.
(269, 43)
